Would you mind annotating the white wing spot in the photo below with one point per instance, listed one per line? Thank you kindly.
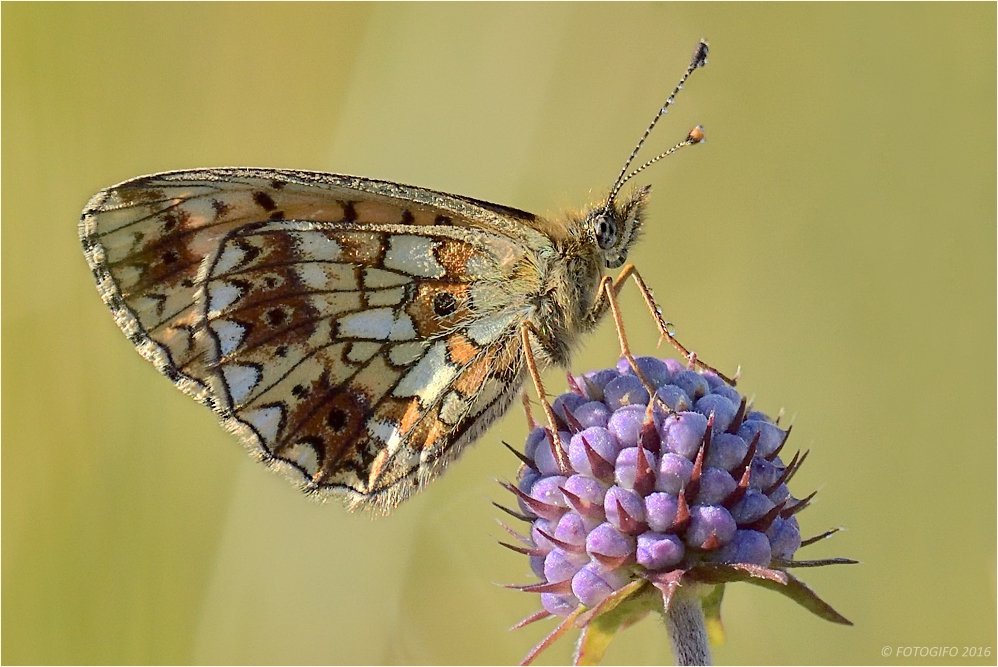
(316, 246)
(361, 352)
(489, 328)
(413, 255)
(128, 275)
(453, 408)
(266, 421)
(404, 354)
(375, 323)
(221, 295)
(379, 278)
(240, 380)
(230, 335)
(386, 297)
(402, 329)
(386, 432)
(304, 457)
(230, 258)
(428, 377)
(322, 276)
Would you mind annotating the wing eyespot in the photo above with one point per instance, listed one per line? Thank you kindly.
(337, 419)
(444, 304)
(276, 317)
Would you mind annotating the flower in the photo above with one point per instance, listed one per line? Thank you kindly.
(660, 479)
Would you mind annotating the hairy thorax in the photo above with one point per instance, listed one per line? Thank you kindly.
(566, 306)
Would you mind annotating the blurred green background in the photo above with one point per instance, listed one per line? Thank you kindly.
(835, 236)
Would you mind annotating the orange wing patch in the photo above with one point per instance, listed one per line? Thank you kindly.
(461, 350)
(439, 307)
(471, 378)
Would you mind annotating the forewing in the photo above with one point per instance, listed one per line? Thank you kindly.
(354, 338)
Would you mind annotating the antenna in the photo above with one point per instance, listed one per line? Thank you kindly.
(695, 136)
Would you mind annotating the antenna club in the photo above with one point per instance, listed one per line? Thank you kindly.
(700, 55)
(695, 136)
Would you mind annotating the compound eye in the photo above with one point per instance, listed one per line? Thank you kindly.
(606, 232)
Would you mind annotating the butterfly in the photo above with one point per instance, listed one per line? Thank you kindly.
(355, 334)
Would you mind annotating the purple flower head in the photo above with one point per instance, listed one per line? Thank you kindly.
(674, 398)
(593, 413)
(692, 383)
(657, 551)
(594, 583)
(723, 410)
(682, 433)
(593, 451)
(625, 390)
(625, 424)
(655, 371)
(661, 510)
(727, 450)
(687, 485)
(674, 473)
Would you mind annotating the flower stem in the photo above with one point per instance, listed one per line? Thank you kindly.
(685, 624)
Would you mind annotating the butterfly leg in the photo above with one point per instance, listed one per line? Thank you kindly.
(610, 289)
(525, 399)
(526, 329)
(630, 271)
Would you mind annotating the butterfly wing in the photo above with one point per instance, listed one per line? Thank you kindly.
(356, 334)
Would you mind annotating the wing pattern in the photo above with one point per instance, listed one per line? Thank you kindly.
(355, 334)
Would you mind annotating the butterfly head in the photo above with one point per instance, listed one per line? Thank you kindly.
(614, 226)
